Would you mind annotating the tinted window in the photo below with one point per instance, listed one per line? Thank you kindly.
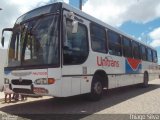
(154, 56)
(136, 51)
(76, 51)
(114, 40)
(98, 36)
(149, 55)
(127, 49)
(143, 52)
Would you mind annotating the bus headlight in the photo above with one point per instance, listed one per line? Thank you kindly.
(6, 81)
(44, 81)
(41, 81)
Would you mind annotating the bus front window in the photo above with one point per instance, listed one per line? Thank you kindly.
(14, 50)
(35, 43)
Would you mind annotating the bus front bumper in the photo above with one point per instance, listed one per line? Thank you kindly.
(29, 89)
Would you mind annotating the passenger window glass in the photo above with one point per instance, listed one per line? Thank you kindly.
(127, 49)
(136, 51)
(114, 43)
(149, 55)
(154, 56)
(76, 51)
(143, 52)
(98, 36)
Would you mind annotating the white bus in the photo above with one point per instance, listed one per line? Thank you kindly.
(58, 50)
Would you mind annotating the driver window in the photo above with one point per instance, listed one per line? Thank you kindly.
(76, 49)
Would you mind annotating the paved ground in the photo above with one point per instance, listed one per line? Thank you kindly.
(128, 100)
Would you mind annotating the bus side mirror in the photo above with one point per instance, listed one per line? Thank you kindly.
(75, 26)
(5, 29)
(2, 41)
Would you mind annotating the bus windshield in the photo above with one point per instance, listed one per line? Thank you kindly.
(35, 42)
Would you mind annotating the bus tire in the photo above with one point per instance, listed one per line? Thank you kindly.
(96, 89)
(145, 80)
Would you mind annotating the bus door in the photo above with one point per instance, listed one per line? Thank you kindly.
(75, 53)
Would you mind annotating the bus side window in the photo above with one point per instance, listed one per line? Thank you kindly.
(149, 55)
(114, 40)
(127, 49)
(154, 53)
(98, 38)
(136, 50)
(76, 52)
(143, 53)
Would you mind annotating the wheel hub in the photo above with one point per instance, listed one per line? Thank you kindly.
(98, 88)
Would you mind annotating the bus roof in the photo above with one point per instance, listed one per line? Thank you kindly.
(91, 18)
(47, 9)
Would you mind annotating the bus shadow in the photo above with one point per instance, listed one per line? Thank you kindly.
(74, 107)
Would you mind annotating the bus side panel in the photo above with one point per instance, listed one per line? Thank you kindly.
(138, 78)
(75, 85)
(71, 79)
(86, 84)
(112, 82)
(151, 68)
(124, 80)
(55, 89)
(66, 86)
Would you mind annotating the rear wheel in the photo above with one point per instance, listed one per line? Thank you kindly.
(96, 89)
(145, 80)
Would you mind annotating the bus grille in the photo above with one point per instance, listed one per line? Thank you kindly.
(20, 90)
(22, 82)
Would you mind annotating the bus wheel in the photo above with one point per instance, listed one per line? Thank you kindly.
(96, 89)
(145, 80)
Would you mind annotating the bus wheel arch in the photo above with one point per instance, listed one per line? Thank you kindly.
(99, 81)
(103, 77)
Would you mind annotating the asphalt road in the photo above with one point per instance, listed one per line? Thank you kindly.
(126, 101)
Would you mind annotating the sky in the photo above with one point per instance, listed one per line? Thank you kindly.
(138, 18)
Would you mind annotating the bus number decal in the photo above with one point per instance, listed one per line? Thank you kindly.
(39, 73)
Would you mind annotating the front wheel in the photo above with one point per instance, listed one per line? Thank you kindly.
(96, 89)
